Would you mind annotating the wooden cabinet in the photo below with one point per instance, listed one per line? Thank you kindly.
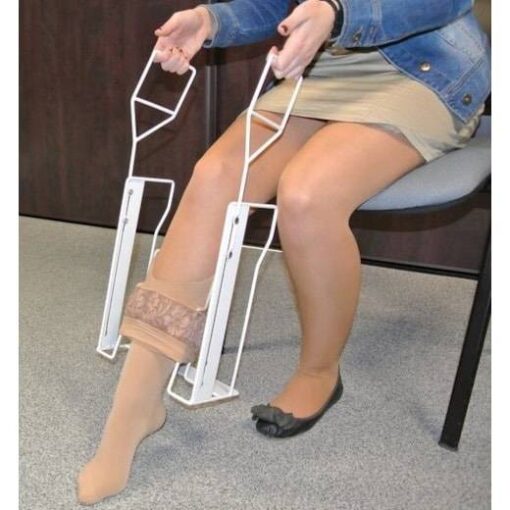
(80, 62)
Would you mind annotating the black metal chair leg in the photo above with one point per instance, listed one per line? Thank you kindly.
(470, 356)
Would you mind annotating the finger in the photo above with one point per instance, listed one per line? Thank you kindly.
(167, 27)
(291, 50)
(163, 55)
(288, 61)
(160, 44)
(273, 51)
(173, 63)
(296, 65)
(292, 21)
(181, 63)
(170, 63)
(184, 53)
(277, 74)
(160, 56)
(275, 67)
(183, 67)
(295, 72)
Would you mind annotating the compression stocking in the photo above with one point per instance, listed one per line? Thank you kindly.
(138, 408)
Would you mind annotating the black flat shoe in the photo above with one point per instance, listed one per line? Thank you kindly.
(273, 422)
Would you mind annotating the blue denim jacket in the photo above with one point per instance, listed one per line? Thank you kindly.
(437, 42)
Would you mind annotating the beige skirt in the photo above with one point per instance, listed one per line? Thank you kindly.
(362, 86)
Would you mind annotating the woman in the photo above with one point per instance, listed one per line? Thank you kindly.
(387, 86)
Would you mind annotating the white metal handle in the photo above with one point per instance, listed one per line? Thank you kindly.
(136, 99)
(248, 158)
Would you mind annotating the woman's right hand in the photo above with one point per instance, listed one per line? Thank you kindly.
(181, 37)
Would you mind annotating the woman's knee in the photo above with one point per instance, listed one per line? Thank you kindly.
(216, 174)
(308, 203)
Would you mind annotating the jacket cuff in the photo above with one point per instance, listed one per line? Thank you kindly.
(214, 26)
(355, 32)
(221, 36)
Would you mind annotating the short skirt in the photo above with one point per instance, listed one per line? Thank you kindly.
(362, 86)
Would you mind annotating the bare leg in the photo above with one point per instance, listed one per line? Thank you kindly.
(188, 254)
(339, 168)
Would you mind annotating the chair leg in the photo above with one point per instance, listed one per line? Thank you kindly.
(470, 356)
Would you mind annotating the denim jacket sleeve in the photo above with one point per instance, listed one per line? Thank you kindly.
(241, 22)
(366, 22)
(378, 22)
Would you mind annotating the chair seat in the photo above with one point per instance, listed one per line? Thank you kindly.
(446, 179)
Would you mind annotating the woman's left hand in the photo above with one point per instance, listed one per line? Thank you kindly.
(306, 29)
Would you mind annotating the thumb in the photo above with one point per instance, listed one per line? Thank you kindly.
(291, 22)
(166, 28)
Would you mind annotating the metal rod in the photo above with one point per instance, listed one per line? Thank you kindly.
(154, 105)
(469, 357)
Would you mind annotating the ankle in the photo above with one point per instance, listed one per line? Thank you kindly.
(326, 372)
(140, 411)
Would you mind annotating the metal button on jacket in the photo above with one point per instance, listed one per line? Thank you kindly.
(425, 66)
(356, 38)
(467, 99)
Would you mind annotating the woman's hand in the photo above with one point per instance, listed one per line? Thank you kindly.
(306, 29)
(181, 37)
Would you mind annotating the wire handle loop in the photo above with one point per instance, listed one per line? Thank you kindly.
(248, 158)
(135, 98)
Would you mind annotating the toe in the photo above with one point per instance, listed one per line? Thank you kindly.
(83, 490)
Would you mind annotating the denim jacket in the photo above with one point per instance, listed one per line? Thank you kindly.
(437, 42)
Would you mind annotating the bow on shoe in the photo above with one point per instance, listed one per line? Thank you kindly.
(274, 415)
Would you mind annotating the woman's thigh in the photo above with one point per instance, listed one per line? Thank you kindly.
(220, 168)
(341, 166)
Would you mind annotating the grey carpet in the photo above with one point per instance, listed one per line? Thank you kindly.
(374, 450)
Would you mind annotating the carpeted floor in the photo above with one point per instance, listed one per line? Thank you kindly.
(374, 450)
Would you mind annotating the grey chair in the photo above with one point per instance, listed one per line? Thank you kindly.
(442, 183)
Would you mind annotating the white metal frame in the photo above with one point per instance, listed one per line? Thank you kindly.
(206, 388)
(109, 339)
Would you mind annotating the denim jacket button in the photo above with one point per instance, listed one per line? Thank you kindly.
(425, 67)
(356, 38)
(467, 99)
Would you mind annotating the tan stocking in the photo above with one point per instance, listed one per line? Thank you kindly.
(168, 315)
(164, 321)
(320, 249)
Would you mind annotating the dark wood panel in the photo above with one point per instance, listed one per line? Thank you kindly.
(80, 61)
(239, 70)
